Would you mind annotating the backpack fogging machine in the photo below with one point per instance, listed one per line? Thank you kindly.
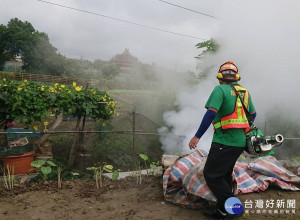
(258, 143)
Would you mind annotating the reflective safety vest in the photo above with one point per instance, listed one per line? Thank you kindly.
(238, 118)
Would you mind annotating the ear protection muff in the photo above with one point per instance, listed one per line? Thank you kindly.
(220, 75)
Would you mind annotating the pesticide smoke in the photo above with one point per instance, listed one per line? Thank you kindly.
(262, 38)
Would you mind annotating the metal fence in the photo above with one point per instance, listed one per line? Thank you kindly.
(105, 142)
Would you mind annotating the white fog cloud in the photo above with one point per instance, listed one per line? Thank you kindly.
(262, 38)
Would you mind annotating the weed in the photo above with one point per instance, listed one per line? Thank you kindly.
(59, 170)
(245, 215)
(8, 177)
(145, 158)
(297, 160)
(98, 171)
(153, 165)
(139, 176)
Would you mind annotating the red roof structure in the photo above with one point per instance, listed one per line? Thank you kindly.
(125, 61)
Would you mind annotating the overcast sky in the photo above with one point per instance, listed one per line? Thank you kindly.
(77, 34)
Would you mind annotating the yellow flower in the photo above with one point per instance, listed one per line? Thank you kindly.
(25, 81)
(117, 114)
(74, 84)
(4, 85)
(94, 93)
(42, 88)
(19, 88)
(112, 103)
(103, 124)
(78, 88)
(51, 89)
(46, 123)
(35, 127)
(4, 79)
(55, 85)
(45, 130)
(62, 86)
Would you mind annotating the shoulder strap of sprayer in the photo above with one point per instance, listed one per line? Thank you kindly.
(248, 115)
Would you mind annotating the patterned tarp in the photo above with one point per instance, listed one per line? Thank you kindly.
(184, 183)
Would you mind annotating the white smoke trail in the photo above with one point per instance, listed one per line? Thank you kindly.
(262, 38)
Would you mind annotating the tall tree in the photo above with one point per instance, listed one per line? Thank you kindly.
(38, 55)
(43, 57)
(4, 55)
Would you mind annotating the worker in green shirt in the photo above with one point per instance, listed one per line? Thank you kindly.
(225, 110)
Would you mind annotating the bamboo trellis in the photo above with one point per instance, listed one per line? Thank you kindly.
(49, 78)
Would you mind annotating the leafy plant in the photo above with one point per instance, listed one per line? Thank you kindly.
(98, 171)
(44, 167)
(207, 47)
(154, 167)
(45, 171)
(115, 174)
(37, 163)
(29, 102)
(210, 46)
(145, 158)
(74, 174)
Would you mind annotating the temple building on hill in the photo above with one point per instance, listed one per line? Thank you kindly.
(125, 61)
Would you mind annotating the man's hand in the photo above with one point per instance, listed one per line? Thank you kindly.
(193, 142)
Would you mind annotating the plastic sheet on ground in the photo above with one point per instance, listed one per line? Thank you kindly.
(184, 183)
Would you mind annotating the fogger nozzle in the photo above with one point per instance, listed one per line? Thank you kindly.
(278, 138)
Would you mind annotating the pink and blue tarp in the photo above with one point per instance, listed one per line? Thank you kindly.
(184, 183)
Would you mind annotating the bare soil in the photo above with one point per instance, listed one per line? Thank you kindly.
(121, 199)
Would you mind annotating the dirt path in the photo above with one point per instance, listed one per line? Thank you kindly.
(122, 199)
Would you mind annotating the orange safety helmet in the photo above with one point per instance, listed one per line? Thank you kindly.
(228, 68)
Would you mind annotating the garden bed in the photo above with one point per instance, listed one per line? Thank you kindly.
(121, 199)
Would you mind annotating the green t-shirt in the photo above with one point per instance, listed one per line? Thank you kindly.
(223, 98)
